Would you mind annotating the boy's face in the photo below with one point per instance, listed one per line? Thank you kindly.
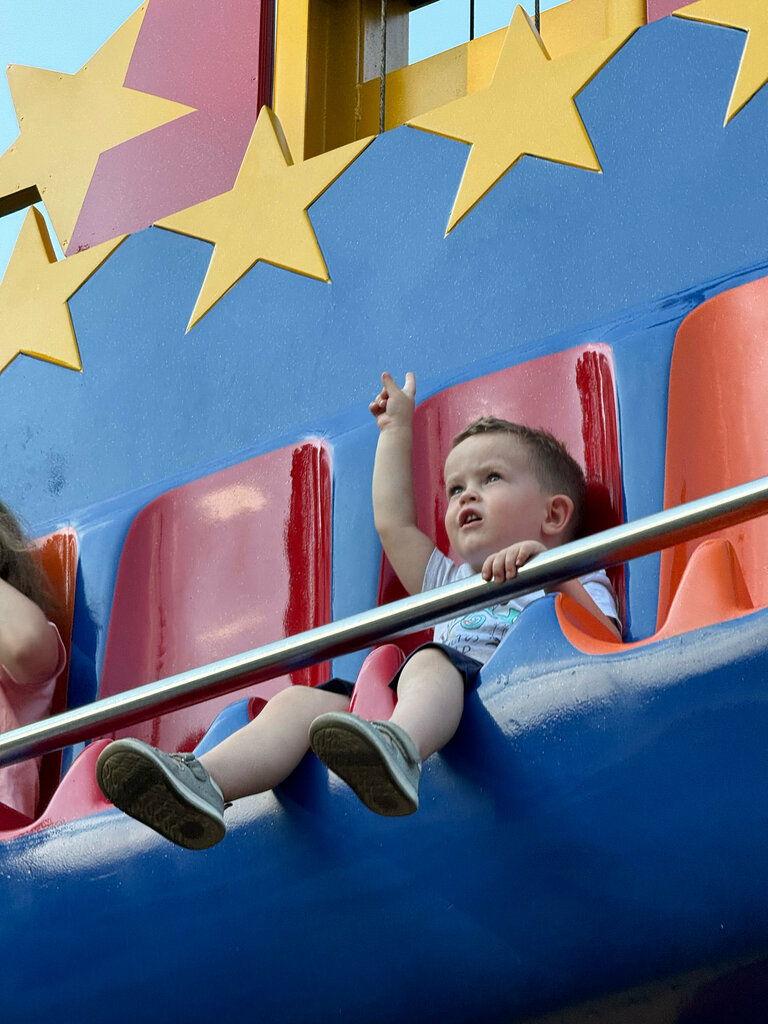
(494, 499)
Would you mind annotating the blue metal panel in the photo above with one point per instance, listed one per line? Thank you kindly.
(593, 824)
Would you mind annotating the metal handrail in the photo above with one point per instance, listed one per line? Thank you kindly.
(619, 544)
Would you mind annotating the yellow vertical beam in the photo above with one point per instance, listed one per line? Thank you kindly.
(336, 34)
(624, 16)
(324, 50)
(291, 63)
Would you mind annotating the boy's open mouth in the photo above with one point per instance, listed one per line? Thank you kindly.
(467, 516)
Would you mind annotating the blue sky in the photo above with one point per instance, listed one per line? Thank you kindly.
(444, 24)
(62, 36)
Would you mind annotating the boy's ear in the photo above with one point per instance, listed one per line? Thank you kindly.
(558, 514)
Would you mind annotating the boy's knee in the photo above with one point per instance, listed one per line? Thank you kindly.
(428, 658)
(289, 700)
(428, 665)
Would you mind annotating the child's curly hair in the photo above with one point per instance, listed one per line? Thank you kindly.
(18, 566)
(550, 461)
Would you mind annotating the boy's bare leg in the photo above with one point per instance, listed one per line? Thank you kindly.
(183, 799)
(266, 751)
(430, 700)
(381, 761)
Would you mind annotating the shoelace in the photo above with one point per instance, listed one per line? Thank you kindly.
(189, 761)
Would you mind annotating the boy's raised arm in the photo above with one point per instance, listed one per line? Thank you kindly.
(394, 505)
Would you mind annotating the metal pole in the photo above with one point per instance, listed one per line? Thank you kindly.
(619, 544)
(537, 16)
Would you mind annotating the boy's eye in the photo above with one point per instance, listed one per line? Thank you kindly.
(493, 476)
(454, 490)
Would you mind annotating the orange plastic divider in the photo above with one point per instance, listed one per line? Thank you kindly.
(717, 437)
(717, 429)
(58, 554)
(711, 590)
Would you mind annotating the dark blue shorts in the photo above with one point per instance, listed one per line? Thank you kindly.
(467, 668)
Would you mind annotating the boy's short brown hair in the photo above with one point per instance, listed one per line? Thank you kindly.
(550, 461)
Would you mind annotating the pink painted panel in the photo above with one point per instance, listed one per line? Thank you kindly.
(216, 567)
(212, 56)
(657, 9)
(570, 393)
(159, 173)
(203, 53)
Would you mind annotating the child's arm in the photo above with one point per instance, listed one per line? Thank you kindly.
(394, 505)
(29, 646)
(505, 563)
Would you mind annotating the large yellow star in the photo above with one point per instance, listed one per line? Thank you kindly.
(34, 316)
(67, 121)
(528, 108)
(752, 17)
(264, 216)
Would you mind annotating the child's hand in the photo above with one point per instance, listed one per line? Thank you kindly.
(394, 405)
(505, 563)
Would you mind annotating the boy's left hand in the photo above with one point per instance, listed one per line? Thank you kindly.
(505, 563)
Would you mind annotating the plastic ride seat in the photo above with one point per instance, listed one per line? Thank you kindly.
(717, 437)
(219, 566)
(208, 570)
(572, 395)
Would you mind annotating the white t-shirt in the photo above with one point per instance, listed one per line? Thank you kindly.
(479, 633)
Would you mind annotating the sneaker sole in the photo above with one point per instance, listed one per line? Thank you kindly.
(350, 753)
(140, 786)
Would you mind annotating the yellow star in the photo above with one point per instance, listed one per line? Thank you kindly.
(264, 216)
(752, 17)
(34, 316)
(527, 109)
(67, 121)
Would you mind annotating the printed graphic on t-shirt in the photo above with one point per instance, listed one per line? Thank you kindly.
(486, 628)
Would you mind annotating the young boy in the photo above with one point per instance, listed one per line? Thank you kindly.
(512, 493)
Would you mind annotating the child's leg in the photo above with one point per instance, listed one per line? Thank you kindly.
(381, 761)
(183, 798)
(266, 751)
(430, 700)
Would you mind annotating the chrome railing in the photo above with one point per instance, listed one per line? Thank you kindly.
(619, 544)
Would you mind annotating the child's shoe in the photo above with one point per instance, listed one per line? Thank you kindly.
(378, 760)
(172, 793)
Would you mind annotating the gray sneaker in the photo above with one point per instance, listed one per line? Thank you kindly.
(172, 793)
(378, 760)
